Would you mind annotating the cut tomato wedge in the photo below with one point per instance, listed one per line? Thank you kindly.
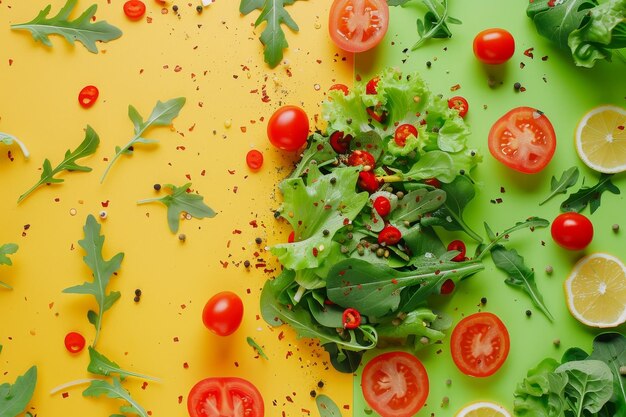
(225, 397)
(358, 25)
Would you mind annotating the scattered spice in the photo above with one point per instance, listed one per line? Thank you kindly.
(615, 227)
(517, 86)
(157, 187)
(483, 300)
(556, 342)
(529, 313)
(549, 269)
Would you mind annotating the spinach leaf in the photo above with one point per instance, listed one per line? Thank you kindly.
(14, 398)
(568, 179)
(115, 390)
(101, 365)
(589, 385)
(7, 249)
(556, 20)
(344, 360)
(610, 348)
(326, 406)
(590, 196)
(10, 140)
(416, 204)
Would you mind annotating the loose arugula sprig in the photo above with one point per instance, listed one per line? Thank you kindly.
(181, 201)
(102, 272)
(7, 249)
(568, 179)
(590, 196)
(115, 390)
(82, 29)
(273, 38)
(101, 365)
(10, 139)
(254, 345)
(162, 115)
(87, 147)
(14, 398)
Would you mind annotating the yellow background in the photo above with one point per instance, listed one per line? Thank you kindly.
(222, 75)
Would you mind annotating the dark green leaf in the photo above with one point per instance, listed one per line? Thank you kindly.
(568, 179)
(556, 20)
(416, 204)
(435, 22)
(101, 365)
(246, 6)
(14, 398)
(115, 390)
(346, 361)
(416, 324)
(610, 348)
(319, 152)
(256, 347)
(590, 196)
(327, 407)
(392, 3)
(574, 354)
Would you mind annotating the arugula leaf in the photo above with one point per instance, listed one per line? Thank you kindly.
(326, 406)
(7, 249)
(519, 275)
(10, 139)
(568, 179)
(590, 196)
(257, 348)
(273, 38)
(531, 223)
(115, 390)
(102, 272)
(610, 348)
(87, 147)
(556, 20)
(417, 203)
(14, 398)
(162, 115)
(181, 201)
(81, 29)
(101, 365)
(435, 23)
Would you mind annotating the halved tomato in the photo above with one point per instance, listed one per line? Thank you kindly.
(395, 384)
(480, 344)
(225, 397)
(358, 25)
(523, 139)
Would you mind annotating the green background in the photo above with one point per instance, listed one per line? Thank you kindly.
(565, 93)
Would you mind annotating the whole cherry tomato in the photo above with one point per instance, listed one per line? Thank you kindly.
(572, 231)
(494, 46)
(390, 235)
(223, 312)
(288, 128)
(367, 181)
(382, 205)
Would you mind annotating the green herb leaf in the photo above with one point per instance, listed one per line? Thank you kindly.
(326, 406)
(7, 249)
(531, 223)
(589, 385)
(519, 275)
(181, 201)
(256, 347)
(416, 324)
(556, 20)
(101, 365)
(102, 271)
(115, 390)
(568, 179)
(273, 38)
(435, 22)
(541, 392)
(10, 139)
(14, 398)
(82, 29)
(417, 203)
(319, 152)
(87, 147)
(610, 348)
(590, 196)
(163, 114)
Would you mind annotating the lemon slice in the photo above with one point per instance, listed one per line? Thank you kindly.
(596, 291)
(601, 139)
(483, 409)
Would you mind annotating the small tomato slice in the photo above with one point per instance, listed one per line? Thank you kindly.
(254, 159)
(74, 342)
(88, 96)
(225, 397)
(372, 86)
(359, 157)
(459, 104)
(480, 344)
(523, 139)
(340, 87)
(358, 25)
(403, 132)
(134, 9)
(395, 384)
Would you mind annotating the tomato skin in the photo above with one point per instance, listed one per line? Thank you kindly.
(473, 353)
(88, 96)
(372, 86)
(390, 235)
(403, 132)
(292, 237)
(288, 128)
(433, 182)
(572, 231)
(380, 117)
(358, 25)
(134, 9)
(460, 104)
(351, 318)
(523, 139)
(254, 159)
(494, 46)
(390, 371)
(460, 246)
(382, 205)
(340, 142)
(360, 157)
(367, 181)
(340, 87)
(74, 342)
(223, 313)
(218, 397)
(447, 287)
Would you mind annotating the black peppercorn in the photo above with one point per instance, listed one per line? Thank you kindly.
(258, 240)
(157, 187)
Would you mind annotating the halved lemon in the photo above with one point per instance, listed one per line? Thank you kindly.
(601, 139)
(596, 291)
(483, 409)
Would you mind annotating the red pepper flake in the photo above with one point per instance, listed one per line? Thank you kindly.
(176, 339)
(254, 224)
(235, 189)
(10, 62)
(166, 66)
(105, 204)
(289, 353)
(186, 365)
(180, 399)
(192, 127)
(243, 129)
(180, 148)
(178, 68)
(315, 252)
(65, 394)
(522, 65)
(394, 281)
(304, 410)
(260, 265)
(50, 305)
(621, 127)
(231, 171)
(455, 87)
(346, 406)
(188, 176)
(529, 52)
(281, 335)
(522, 89)
(183, 306)
(148, 19)
(236, 364)
(149, 412)
(224, 264)
(236, 232)
(203, 173)
(144, 385)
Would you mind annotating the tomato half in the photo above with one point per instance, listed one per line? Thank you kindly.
(358, 25)
(403, 132)
(523, 139)
(480, 344)
(254, 159)
(88, 96)
(395, 384)
(223, 312)
(359, 157)
(459, 104)
(572, 231)
(134, 9)
(494, 46)
(225, 397)
(74, 342)
(340, 142)
(288, 128)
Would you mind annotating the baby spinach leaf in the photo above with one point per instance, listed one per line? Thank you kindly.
(102, 271)
(181, 201)
(82, 29)
(589, 385)
(14, 398)
(162, 115)
(7, 249)
(101, 365)
(87, 147)
(344, 360)
(326, 406)
(115, 390)
(256, 347)
(10, 140)
(416, 204)
(568, 179)
(590, 196)
(610, 348)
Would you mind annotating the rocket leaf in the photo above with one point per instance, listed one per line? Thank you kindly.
(14, 398)
(568, 179)
(589, 196)
(7, 249)
(115, 390)
(101, 365)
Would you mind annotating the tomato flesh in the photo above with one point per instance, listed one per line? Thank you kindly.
(480, 344)
(367, 181)
(494, 46)
(288, 128)
(572, 231)
(223, 313)
(458, 245)
(459, 104)
(340, 142)
(88, 96)
(340, 87)
(358, 25)
(254, 159)
(390, 235)
(382, 205)
(134, 9)
(74, 342)
(403, 132)
(225, 397)
(523, 139)
(360, 157)
(395, 384)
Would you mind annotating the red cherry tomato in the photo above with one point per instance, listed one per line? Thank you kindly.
(222, 314)
(572, 231)
(225, 397)
(134, 9)
(340, 142)
(494, 46)
(254, 159)
(523, 139)
(340, 87)
(74, 342)
(382, 205)
(459, 246)
(88, 96)
(360, 157)
(372, 86)
(433, 182)
(288, 128)
(447, 287)
(403, 132)
(358, 25)
(460, 104)
(351, 318)
(390, 235)
(395, 384)
(480, 344)
(367, 181)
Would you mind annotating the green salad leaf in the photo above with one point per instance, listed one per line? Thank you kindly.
(610, 348)
(7, 249)
(568, 179)
(254, 345)
(10, 140)
(115, 390)
(82, 29)
(590, 196)
(101, 365)
(14, 398)
(326, 406)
